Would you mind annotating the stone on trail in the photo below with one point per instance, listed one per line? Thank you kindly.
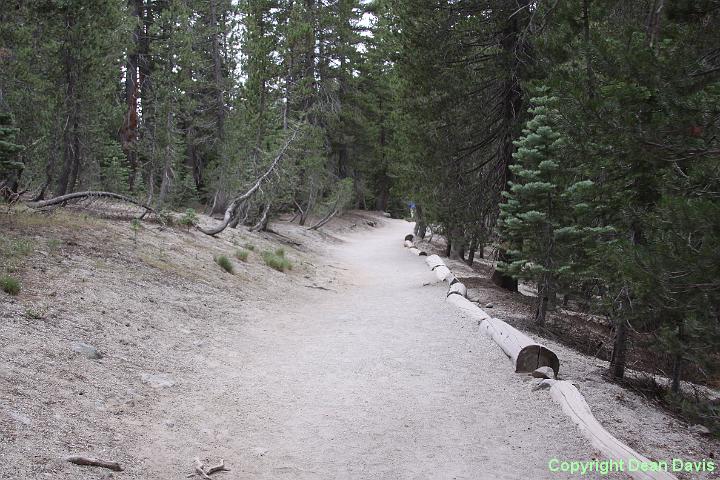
(542, 385)
(157, 380)
(544, 372)
(699, 429)
(87, 350)
(489, 305)
(19, 417)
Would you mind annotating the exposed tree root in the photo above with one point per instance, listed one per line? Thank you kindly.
(94, 462)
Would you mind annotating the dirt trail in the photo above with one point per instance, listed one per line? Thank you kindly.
(377, 379)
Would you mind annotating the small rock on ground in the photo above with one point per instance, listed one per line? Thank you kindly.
(544, 372)
(157, 380)
(88, 351)
(699, 429)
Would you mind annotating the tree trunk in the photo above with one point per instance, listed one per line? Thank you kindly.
(168, 175)
(420, 225)
(70, 140)
(617, 361)
(129, 130)
(677, 364)
(513, 46)
(219, 83)
(502, 280)
(541, 309)
(471, 252)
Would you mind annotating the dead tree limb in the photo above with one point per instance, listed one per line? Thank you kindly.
(200, 469)
(263, 222)
(329, 216)
(204, 472)
(325, 219)
(218, 468)
(239, 200)
(94, 462)
(76, 196)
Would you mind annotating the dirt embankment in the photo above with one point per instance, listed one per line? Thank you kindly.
(112, 321)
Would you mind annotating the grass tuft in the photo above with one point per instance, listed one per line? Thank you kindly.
(249, 246)
(277, 260)
(224, 263)
(242, 254)
(10, 285)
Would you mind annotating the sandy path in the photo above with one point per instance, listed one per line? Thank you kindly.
(378, 380)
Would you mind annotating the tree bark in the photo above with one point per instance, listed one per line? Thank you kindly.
(70, 137)
(514, 47)
(617, 360)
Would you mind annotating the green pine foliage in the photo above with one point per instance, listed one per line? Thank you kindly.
(534, 220)
(8, 148)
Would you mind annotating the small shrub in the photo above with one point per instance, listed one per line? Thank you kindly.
(224, 263)
(189, 218)
(249, 246)
(166, 218)
(22, 247)
(10, 285)
(280, 252)
(242, 254)
(278, 262)
(35, 314)
(135, 226)
(54, 244)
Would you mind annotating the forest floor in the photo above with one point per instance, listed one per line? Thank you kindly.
(350, 365)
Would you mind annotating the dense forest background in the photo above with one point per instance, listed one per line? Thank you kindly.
(578, 137)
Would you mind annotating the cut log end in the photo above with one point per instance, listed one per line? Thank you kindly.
(533, 357)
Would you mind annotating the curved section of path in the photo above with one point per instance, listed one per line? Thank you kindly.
(379, 380)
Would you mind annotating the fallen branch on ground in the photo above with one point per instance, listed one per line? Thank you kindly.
(76, 196)
(284, 238)
(206, 472)
(93, 462)
(326, 218)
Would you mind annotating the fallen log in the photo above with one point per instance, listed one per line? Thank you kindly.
(575, 407)
(76, 196)
(433, 261)
(526, 355)
(457, 288)
(94, 462)
(442, 272)
(326, 218)
(468, 307)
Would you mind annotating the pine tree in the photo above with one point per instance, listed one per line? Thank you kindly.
(9, 164)
(534, 217)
